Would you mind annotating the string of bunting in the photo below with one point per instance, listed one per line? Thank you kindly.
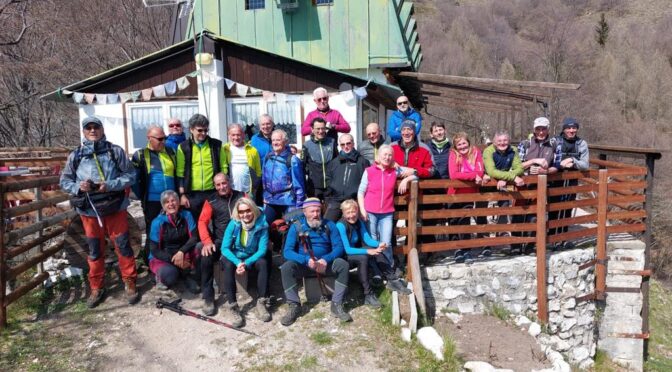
(170, 88)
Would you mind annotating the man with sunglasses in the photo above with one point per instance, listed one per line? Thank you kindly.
(404, 112)
(97, 175)
(343, 176)
(317, 153)
(369, 147)
(155, 173)
(199, 159)
(335, 121)
(176, 135)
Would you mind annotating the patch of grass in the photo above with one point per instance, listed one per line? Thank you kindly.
(308, 363)
(603, 363)
(322, 338)
(449, 310)
(498, 311)
(314, 314)
(660, 318)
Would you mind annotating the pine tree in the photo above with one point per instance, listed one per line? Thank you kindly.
(602, 31)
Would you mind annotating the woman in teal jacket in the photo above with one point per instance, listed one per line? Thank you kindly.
(244, 248)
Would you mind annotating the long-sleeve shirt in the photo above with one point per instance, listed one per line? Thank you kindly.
(502, 166)
(465, 171)
(333, 117)
(358, 235)
(325, 240)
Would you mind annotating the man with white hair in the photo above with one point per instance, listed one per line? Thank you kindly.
(243, 161)
(335, 121)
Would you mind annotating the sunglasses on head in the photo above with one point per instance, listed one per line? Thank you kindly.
(402, 103)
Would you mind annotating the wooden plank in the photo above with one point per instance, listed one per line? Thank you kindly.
(572, 204)
(626, 228)
(412, 222)
(13, 272)
(33, 243)
(613, 164)
(450, 213)
(16, 234)
(572, 235)
(451, 79)
(620, 172)
(3, 262)
(601, 245)
(624, 215)
(36, 205)
(656, 153)
(414, 264)
(471, 105)
(473, 243)
(627, 199)
(468, 229)
(589, 218)
(32, 183)
(29, 195)
(555, 191)
(22, 290)
(470, 197)
(542, 301)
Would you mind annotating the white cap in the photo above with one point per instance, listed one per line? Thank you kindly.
(541, 122)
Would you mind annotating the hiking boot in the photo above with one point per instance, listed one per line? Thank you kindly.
(459, 256)
(161, 287)
(262, 309)
(208, 307)
(468, 258)
(293, 312)
(338, 311)
(371, 300)
(486, 252)
(95, 298)
(568, 245)
(234, 314)
(398, 285)
(192, 286)
(132, 294)
(377, 281)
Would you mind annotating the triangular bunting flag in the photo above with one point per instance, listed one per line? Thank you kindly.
(229, 83)
(146, 94)
(77, 97)
(268, 96)
(255, 91)
(361, 92)
(135, 95)
(101, 98)
(89, 97)
(182, 83)
(124, 97)
(112, 98)
(241, 89)
(159, 91)
(193, 73)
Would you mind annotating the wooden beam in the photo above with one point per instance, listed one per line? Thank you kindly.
(467, 106)
(465, 80)
(457, 92)
(542, 302)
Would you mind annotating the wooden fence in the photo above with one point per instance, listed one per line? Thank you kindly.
(615, 196)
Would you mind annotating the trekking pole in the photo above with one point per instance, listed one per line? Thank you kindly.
(324, 288)
(175, 307)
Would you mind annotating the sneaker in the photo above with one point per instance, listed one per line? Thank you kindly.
(486, 252)
(468, 258)
(132, 294)
(398, 285)
(459, 256)
(262, 309)
(516, 249)
(568, 245)
(371, 300)
(192, 286)
(233, 313)
(530, 249)
(161, 287)
(208, 307)
(377, 281)
(293, 312)
(338, 311)
(95, 298)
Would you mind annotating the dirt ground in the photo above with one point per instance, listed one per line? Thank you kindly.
(489, 339)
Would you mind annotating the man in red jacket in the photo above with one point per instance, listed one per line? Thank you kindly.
(411, 155)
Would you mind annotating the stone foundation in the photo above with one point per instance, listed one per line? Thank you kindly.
(511, 283)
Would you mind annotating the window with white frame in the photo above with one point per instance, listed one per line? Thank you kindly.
(254, 4)
(285, 114)
(142, 116)
(323, 2)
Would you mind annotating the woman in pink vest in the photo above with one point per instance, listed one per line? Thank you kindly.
(465, 163)
(376, 197)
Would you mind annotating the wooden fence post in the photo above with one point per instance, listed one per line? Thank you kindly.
(412, 223)
(3, 267)
(648, 205)
(542, 301)
(601, 248)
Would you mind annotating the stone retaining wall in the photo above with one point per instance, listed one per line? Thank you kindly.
(511, 283)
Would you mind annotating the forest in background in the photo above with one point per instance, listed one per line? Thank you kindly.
(625, 73)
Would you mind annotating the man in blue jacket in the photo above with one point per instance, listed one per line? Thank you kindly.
(404, 112)
(327, 248)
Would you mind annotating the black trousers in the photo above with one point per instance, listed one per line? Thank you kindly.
(361, 262)
(151, 209)
(260, 266)
(207, 273)
(564, 213)
(291, 271)
(196, 201)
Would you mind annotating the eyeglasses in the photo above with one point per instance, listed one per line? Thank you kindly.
(201, 130)
(320, 128)
(92, 127)
(345, 144)
(402, 103)
(243, 211)
(322, 99)
(160, 139)
(174, 125)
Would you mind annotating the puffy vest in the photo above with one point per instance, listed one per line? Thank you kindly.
(380, 190)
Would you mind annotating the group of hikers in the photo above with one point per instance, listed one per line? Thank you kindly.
(329, 209)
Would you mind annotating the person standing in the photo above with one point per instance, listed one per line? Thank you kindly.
(243, 161)
(404, 112)
(199, 159)
(335, 123)
(439, 145)
(97, 174)
(317, 153)
(262, 140)
(176, 134)
(369, 147)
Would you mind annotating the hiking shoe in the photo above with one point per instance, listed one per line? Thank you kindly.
(132, 294)
(568, 245)
(293, 312)
(459, 256)
(338, 311)
(208, 307)
(161, 287)
(377, 281)
(95, 298)
(486, 252)
(530, 249)
(468, 258)
(262, 309)
(233, 313)
(192, 286)
(371, 300)
(398, 285)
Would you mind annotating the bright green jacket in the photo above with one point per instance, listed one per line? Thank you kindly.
(491, 170)
(201, 172)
